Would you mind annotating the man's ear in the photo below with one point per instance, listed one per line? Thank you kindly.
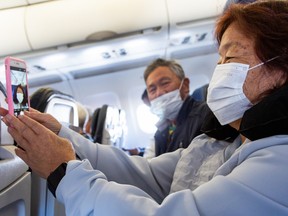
(185, 90)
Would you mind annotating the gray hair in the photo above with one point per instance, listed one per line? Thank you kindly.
(171, 64)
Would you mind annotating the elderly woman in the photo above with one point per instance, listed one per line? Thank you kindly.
(247, 176)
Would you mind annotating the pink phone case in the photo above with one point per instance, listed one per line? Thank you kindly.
(7, 62)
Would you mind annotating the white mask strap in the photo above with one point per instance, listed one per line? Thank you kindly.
(264, 62)
(182, 81)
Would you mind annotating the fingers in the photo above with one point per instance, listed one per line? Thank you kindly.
(33, 110)
(36, 127)
(19, 131)
(24, 130)
(5, 121)
(36, 115)
(41, 149)
(46, 120)
(20, 140)
(22, 154)
(3, 111)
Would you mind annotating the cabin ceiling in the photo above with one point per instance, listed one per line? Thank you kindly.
(74, 34)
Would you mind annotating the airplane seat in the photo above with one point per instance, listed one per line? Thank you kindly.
(83, 121)
(99, 132)
(110, 130)
(105, 126)
(15, 179)
(121, 129)
(64, 108)
(94, 123)
(83, 115)
(200, 94)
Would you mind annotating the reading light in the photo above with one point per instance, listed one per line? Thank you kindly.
(106, 55)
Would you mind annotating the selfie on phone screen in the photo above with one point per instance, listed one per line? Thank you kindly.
(16, 85)
(19, 90)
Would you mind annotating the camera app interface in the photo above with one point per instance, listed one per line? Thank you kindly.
(19, 90)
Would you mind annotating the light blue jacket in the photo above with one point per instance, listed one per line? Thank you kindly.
(207, 178)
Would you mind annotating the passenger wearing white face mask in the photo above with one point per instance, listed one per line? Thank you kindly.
(167, 106)
(19, 99)
(225, 96)
(211, 177)
(180, 116)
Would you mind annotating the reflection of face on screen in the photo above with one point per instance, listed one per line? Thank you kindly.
(19, 90)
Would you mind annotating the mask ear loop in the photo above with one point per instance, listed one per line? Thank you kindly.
(262, 63)
(181, 84)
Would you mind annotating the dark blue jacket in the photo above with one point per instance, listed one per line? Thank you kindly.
(188, 125)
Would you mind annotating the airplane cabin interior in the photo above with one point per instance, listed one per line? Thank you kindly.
(96, 52)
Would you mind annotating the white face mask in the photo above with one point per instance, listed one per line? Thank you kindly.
(225, 95)
(20, 97)
(168, 105)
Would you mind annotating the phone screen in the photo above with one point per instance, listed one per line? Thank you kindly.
(19, 90)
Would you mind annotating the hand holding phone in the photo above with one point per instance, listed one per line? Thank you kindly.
(16, 85)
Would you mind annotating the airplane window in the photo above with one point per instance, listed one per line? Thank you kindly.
(146, 119)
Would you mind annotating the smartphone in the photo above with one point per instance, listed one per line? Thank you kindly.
(16, 85)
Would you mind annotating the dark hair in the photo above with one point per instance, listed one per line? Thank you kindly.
(265, 22)
(25, 99)
(171, 64)
(40, 98)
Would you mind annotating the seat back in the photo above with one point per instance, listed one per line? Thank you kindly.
(64, 108)
(15, 179)
(107, 126)
(121, 130)
(200, 94)
(94, 122)
(99, 124)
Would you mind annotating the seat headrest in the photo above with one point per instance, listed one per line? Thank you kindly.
(40, 98)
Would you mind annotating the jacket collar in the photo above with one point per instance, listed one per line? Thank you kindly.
(267, 118)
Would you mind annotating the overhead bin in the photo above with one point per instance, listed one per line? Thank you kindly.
(185, 12)
(50, 25)
(66, 22)
(191, 24)
(192, 21)
(40, 24)
(37, 1)
(4, 4)
(13, 36)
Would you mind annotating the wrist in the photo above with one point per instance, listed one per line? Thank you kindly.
(55, 177)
